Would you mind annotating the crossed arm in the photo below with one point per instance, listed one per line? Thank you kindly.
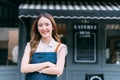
(59, 66)
(45, 67)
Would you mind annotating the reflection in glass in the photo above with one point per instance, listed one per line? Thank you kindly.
(8, 46)
(62, 32)
(113, 44)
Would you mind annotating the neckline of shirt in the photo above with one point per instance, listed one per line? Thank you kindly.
(51, 44)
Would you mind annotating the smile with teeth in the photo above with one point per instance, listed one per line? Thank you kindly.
(45, 32)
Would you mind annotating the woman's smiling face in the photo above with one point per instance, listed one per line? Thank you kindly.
(45, 27)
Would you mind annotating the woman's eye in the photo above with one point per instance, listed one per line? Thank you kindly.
(47, 24)
(40, 25)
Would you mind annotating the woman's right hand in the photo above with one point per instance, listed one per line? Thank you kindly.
(49, 64)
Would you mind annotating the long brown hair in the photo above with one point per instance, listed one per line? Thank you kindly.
(35, 35)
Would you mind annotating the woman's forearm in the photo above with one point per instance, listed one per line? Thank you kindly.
(52, 71)
(34, 67)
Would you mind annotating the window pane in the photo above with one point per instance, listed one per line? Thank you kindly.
(8, 46)
(113, 44)
(62, 32)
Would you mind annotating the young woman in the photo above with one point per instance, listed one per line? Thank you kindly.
(44, 55)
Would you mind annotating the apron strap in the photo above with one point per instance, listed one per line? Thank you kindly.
(57, 47)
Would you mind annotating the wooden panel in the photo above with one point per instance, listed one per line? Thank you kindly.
(8, 73)
(81, 75)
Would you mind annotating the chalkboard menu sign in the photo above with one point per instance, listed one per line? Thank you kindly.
(85, 39)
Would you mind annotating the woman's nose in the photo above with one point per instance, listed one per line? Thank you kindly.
(44, 27)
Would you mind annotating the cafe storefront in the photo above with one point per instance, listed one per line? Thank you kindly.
(90, 29)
